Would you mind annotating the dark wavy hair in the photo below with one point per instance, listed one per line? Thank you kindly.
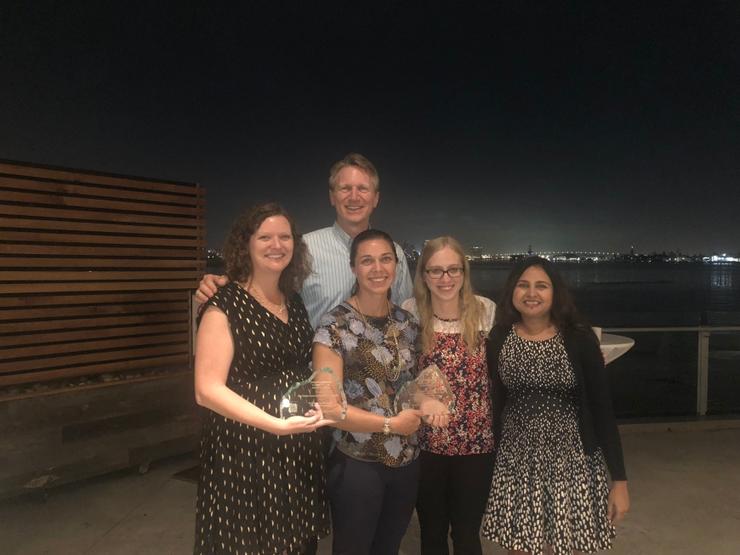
(236, 248)
(563, 313)
(369, 235)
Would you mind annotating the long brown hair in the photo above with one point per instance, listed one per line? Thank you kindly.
(471, 311)
(236, 248)
(563, 313)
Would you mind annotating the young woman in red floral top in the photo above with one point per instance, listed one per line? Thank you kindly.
(456, 461)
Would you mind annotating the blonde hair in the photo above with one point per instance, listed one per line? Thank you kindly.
(354, 160)
(471, 310)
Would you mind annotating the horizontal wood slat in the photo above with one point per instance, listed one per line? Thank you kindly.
(96, 272)
(44, 287)
(9, 262)
(178, 361)
(95, 276)
(53, 199)
(62, 336)
(49, 237)
(104, 251)
(90, 323)
(92, 215)
(64, 300)
(98, 227)
(87, 358)
(88, 310)
(55, 349)
(81, 176)
(84, 190)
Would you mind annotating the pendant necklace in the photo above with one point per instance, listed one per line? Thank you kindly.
(391, 329)
(276, 309)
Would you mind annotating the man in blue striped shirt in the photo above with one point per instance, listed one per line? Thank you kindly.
(354, 193)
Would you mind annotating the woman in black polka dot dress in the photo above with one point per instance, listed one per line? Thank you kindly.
(262, 485)
(556, 436)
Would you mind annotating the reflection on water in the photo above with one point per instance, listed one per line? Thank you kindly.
(722, 296)
(720, 277)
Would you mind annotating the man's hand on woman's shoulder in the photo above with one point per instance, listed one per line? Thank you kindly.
(209, 284)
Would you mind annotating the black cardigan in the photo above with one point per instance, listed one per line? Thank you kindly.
(596, 421)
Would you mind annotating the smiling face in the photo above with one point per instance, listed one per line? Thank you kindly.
(445, 287)
(533, 294)
(271, 245)
(354, 197)
(374, 266)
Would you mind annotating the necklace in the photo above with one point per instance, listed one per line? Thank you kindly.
(275, 308)
(391, 329)
(446, 319)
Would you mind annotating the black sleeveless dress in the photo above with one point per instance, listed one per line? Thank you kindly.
(260, 493)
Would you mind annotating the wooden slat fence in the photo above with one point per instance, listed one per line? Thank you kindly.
(96, 272)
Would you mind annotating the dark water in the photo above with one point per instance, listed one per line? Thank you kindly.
(632, 295)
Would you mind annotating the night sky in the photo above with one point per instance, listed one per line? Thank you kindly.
(584, 127)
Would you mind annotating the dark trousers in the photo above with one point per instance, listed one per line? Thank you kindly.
(371, 505)
(453, 491)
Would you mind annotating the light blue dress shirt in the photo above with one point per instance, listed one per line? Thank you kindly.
(332, 279)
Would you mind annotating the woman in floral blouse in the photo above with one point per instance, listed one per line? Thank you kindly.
(369, 344)
(457, 460)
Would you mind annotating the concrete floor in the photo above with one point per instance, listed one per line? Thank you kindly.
(684, 482)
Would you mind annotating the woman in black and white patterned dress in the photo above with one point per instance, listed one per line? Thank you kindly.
(556, 436)
(262, 484)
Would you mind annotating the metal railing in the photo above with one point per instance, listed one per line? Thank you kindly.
(704, 333)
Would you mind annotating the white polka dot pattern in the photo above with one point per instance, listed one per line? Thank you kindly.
(545, 489)
(259, 493)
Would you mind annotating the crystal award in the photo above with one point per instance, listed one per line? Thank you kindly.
(428, 392)
(322, 389)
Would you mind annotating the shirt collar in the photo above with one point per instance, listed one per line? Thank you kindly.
(341, 235)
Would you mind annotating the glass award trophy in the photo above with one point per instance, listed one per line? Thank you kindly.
(322, 389)
(428, 392)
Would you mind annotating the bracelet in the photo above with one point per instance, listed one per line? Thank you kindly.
(386, 425)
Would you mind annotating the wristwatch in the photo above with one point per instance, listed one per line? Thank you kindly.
(386, 425)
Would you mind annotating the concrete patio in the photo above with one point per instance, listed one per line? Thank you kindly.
(684, 483)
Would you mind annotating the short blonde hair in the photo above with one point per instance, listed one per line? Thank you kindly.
(354, 160)
(471, 311)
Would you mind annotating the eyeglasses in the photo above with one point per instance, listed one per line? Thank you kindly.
(437, 273)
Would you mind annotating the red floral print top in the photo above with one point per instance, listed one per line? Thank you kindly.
(471, 425)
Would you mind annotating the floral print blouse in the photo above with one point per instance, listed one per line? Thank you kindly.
(371, 361)
(471, 426)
